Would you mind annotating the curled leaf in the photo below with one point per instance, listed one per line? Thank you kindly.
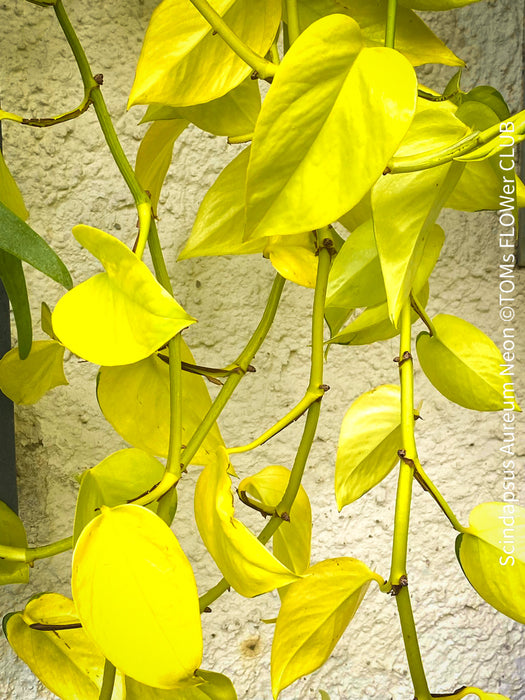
(244, 561)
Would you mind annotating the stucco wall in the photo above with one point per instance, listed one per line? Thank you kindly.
(67, 177)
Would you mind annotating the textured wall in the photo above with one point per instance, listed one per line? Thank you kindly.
(67, 177)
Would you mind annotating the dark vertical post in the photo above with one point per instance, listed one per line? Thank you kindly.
(8, 490)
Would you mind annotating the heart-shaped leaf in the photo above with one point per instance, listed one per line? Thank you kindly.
(314, 614)
(26, 381)
(135, 400)
(136, 597)
(66, 661)
(491, 552)
(244, 561)
(465, 365)
(183, 62)
(304, 171)
(119, 316)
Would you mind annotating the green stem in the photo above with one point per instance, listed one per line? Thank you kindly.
(157, 258)
(168, 502)
(222, 398)
(398, 571)
(264, 69)
(108, 681)
(307, 438)
(142, 200)
(390, 30)
(413, 653)
(31, 554)
(429, 486)
(52, 121)
(292, 15)
(293, 415)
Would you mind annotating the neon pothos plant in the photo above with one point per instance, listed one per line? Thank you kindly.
(345, 134)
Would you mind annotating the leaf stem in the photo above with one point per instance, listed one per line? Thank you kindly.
(229, 386)
(398, 572)
(305, 445)
(264, 69)
(52, 121)
(292, 15)
(293, 415)
(427, 485)
(390, 29)
(30, 554)
(140, 197)
(420, 311)
(108, 681)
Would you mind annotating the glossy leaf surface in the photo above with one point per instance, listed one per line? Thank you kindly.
(414, 38)
(135, 400)
(136, 597)
(245, 563)
(206, 685)
(314, 614)
(26, 381)
(119, 316)
(492, 555)
(183, 62)
(291, 542)
(66, 661)
(369, 440)
(234, 114)
(121, 477)
(463, 364)
(12, 534)
(406, 205)
(154, 155)
(304, 172)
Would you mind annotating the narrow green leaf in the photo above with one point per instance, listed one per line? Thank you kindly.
(17, 238)
(14, 281)
(118, 479)
(183, 62)
(304, 172)
(464, 365)
(12, 534)
(234, 114)
(492, 555)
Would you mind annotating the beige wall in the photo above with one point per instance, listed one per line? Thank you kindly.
(67, 177)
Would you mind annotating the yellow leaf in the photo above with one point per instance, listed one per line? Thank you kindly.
(294, 257)
(304, 171)
(118, 479)
(205, 685)
(183, 62)
(136, 596)
(154, 156)
(492, 555)
(314, 614)
(245, 563)
(12, 534)
(234, 114)
(464, 365)
(26, 381)
(135, 400)
(119, 316)
(368, 443)
(291, 542)
(66, 661)
(414, 39)
(406, 205)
